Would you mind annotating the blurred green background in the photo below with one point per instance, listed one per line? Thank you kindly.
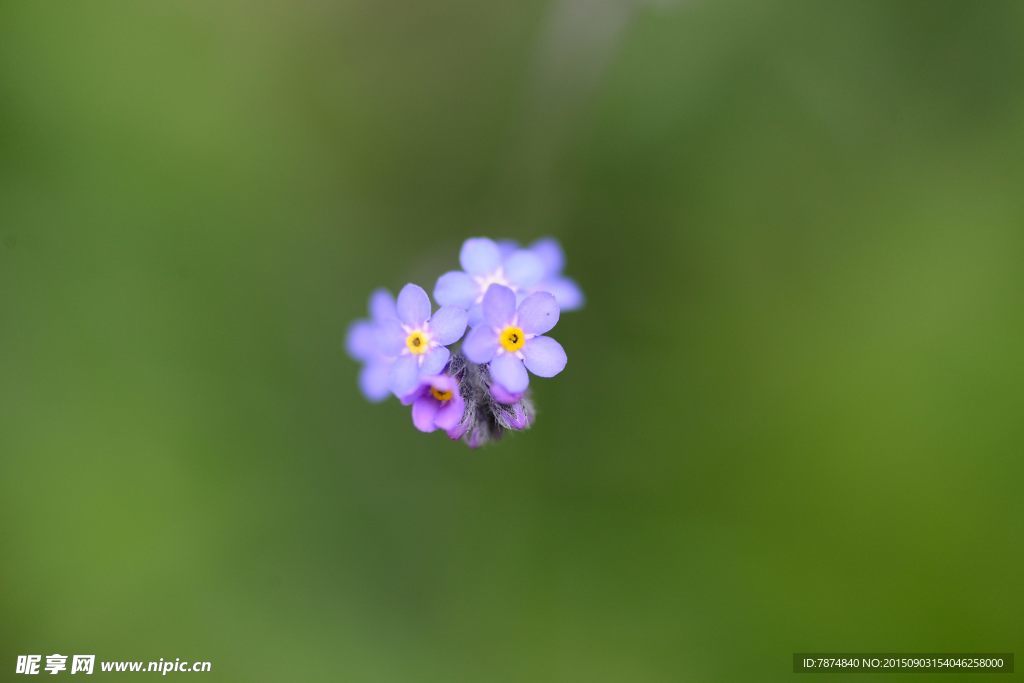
(792, 415)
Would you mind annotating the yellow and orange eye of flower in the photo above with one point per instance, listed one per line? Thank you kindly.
(441, 394)
(417, 343)
(512, 338)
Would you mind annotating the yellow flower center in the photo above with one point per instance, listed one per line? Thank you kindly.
(512, 338)
(417, 343)
(440, 394)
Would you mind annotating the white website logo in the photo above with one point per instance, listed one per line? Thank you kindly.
(56, 663)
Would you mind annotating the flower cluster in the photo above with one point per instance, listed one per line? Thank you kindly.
(508, 298)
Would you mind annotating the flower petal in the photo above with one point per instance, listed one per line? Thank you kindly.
(506, 247)
(508, 371)
(382, 305)
(480, 344)
(538, 313)
(550, 252)
(404, 376)
(566, 291)
(450, 413)
(448, 325)
(457, 432)
(373, 381)
(423, 412)
(414, 395)
(524, 269)
(442, 383)
(499, 305)
(544, 356)
(479, 256)
(476, 315)
(361, 340)
(413, 305)
(390, 337)
(455, 288)
(434, 361)
(501, 395)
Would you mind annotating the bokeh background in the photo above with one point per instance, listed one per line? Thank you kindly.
(792, 415)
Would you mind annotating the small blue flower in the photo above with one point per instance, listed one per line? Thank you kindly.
(510, 338)
(363, 345)
(485, 263)
(418, 340)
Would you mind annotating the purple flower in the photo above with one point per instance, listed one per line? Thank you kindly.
(484, 263)
(437, 404)
(565, 290)
(511, 297)
(510, 338)
(418, 341)
(362, 345)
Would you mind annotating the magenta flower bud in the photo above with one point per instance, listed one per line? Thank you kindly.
(503, 395)
(519, 417)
